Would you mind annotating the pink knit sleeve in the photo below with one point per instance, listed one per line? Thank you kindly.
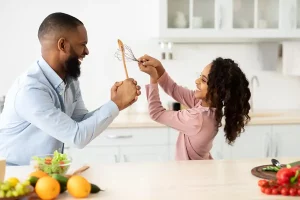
(188, 121)
(179, 93)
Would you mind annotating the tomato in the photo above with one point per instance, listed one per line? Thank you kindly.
(262, 183)
(284, 175)
(298, 192)
(284, 191)
(263, 189)
(275, 191)
(268, 191)
(293, 191)
(61, 163)
(48, 161)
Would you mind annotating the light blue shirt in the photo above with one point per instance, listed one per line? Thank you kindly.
(42, 112)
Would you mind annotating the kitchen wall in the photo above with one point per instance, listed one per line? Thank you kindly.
(134, 22)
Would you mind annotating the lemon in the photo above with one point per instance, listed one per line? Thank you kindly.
(13, 181)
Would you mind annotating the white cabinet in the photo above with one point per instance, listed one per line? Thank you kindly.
(260, 141)
(124, 145)
(255, 142)
(220, 150)
(144, 153)
(159, 144)
(285, 140)
(290, 58)
(173, 135)
(94, 154)
(228, 20)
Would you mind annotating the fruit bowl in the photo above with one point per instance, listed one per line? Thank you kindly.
(56, 163)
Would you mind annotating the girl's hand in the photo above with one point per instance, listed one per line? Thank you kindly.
(149, 70)
(150, 61)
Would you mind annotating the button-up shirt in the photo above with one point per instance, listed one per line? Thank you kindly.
(42, 112)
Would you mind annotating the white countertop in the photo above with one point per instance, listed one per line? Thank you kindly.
(142, 120)
(186, 180)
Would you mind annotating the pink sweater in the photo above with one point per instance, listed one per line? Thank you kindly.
(197, 126)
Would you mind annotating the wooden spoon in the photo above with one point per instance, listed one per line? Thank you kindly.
(78, 171)
(121, 46)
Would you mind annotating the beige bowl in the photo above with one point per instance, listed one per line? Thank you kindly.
(2, 169)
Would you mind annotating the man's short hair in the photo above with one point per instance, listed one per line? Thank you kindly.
(56, 23)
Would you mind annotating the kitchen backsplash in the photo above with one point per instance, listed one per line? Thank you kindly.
(107, 21)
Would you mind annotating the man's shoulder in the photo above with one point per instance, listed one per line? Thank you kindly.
(33, 78)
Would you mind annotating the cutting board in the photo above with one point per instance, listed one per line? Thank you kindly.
(258, 172)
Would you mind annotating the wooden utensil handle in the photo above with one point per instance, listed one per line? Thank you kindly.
(121, 46)
(78, 171)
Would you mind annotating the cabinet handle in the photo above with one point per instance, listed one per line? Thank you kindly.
(267, 142)
(276, 147)
(118, 136)
(116, 158)
(125, 158)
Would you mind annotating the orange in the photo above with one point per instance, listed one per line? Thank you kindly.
(78, 186)
(38, 174)
(47, 188)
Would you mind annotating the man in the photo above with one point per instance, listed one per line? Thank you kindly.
(44, 108)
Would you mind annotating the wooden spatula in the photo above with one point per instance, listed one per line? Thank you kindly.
(78, 171)
(121, 46)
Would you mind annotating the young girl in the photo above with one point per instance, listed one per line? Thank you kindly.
(222, 90)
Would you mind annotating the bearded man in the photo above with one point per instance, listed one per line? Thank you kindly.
(44, 108)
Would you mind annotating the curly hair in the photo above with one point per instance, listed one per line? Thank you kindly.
(228, 90)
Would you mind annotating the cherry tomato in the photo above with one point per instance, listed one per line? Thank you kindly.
(48, 162)
(275, 191)
(263, 189)
(293, 191)
(262, 182)
(298, 192)
(62, 162)
(268, 191)
(284, 191)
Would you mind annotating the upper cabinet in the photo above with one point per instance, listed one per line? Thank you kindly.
(228, 20)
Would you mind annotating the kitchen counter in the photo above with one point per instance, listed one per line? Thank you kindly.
(143, 120)
(192, 180)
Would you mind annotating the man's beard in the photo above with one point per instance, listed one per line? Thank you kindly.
(72, 67)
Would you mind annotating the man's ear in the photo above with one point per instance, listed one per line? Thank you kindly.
(62, 44)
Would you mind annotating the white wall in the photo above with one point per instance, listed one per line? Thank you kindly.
(134, 22)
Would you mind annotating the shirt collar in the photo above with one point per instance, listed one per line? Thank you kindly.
(50, 74)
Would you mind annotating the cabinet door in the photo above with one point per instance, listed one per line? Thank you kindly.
(255, 142)
(218, 151)
(131, 136)
(258, 14)
(94, 154)
(173, 135)
(184, 19)
(288, 14)
(144, 153)
(285, 139)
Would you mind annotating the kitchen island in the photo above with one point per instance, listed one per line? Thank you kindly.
(184, 180)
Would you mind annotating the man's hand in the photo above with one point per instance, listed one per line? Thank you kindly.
(125, 93)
